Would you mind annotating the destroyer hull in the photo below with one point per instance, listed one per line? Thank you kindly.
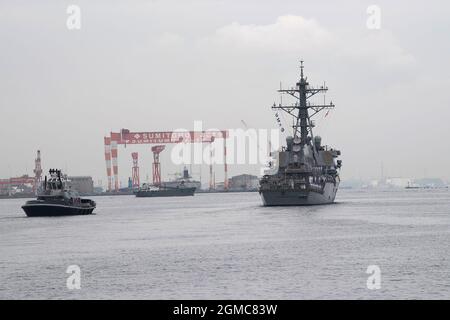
(299, 198)
(54, 210)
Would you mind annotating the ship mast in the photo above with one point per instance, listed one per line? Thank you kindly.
(299, 110)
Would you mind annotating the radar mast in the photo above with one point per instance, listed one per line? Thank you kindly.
(300, 109)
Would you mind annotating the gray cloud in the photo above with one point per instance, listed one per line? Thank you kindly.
(161, 65)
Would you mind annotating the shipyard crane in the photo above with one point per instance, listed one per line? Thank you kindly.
(37, 172)
(156, 164)
(135, 183)
(126, 137)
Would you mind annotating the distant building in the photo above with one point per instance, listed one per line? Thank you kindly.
(352, 184)
(244, 182)
(220, 186)
(98, 189)
(82, 184)
(398, 182)
(23, 184)
(430, 183)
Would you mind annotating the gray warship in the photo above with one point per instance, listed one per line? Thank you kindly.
(304, 172)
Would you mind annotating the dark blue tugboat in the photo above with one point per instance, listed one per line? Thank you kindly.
(56, 199)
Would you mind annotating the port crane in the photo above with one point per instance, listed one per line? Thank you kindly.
(126, 136)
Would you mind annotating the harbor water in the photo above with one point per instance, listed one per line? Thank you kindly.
(228, 246)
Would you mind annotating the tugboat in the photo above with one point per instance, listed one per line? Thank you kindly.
(162, 190)
(56, 199)
(304, 172)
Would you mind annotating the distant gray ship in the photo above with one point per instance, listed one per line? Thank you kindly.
(185, 179)
(163, 191)
(304, 172)
(180, 187)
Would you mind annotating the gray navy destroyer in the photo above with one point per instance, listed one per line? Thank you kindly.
(304, 172)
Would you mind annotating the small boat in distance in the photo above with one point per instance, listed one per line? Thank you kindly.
(162, 190)
(56, 199)
(185, 178)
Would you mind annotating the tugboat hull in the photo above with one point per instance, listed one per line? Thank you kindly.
(299, 198)
(55, 210)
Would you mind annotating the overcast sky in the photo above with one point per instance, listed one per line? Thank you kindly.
(160, 65)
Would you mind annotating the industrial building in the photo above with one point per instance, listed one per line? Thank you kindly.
(23, 184)
(82, 184)
(244, 182)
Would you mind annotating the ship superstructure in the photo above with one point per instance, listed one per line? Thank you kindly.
(304, 172)
(184, 179)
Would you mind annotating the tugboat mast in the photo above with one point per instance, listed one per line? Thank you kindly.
(299, 110)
